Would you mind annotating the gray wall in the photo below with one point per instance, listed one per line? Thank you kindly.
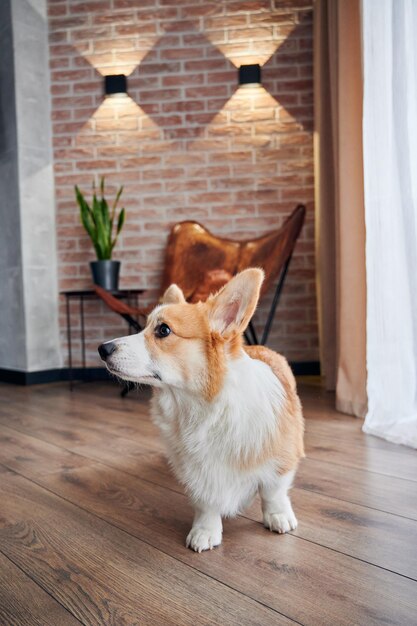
(12, 318)
(29, 334)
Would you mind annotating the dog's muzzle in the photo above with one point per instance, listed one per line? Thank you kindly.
(106, 349)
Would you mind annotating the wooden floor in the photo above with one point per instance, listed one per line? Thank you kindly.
(92, 524)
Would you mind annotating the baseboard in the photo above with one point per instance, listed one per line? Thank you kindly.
(306, 368)
(16, 377)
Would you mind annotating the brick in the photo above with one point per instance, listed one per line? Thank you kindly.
(159, 68)
(56, 9)
(201, 10)
(111, 18)
(186, 185)
(183, 133)
(278, 19)
(230, 156)
(89, 7)
(99, 164)
(229, 129)
(188, 79)
(72, 102)
(68, 128)
(212, 64)
(62, 141)
(160, 95)
(61, 115)
(88, 34)
(68, 166)
(222, 77)
(183, 26)
(162, 173)
(225, 21)
(59, 63)
(140, 162)
(96, 60)
(252, 116)
(63, 23)
(132, 4)
(259, 5)
(71, 75)
(250, 34)
(114, 125)
(60, 89)
(95, 139)
(206, 92)
(107, 45)
(188, 105)
(200, 118)
(143, 28)
(184, 159)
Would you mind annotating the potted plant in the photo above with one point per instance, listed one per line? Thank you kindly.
(100, 222)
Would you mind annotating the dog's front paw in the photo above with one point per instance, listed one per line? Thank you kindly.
(200, 539)
(280, 522)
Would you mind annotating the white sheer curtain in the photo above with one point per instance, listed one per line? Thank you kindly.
(390, 177)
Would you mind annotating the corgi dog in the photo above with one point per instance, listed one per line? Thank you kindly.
(230, 414)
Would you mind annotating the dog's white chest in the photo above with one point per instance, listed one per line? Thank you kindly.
(206, 444)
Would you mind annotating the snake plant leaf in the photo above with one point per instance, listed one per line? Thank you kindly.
(106, 214)
(121, 220)
(116, 200)
(85, 214)
(102, 240)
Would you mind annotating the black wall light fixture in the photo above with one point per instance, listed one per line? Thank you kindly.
(115, 85)
(250, 75)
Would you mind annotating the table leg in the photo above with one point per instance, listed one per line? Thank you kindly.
(82, 330)
(69, 343)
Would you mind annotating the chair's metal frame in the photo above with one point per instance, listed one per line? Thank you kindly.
(250, 334)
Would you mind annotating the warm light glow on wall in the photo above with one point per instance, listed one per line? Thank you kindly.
(249, 98)
(117, 114)
(110, 59)
(257, 52)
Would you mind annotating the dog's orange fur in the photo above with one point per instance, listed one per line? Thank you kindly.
(287, 444)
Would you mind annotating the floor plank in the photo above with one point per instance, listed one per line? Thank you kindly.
(370, 489)
(388, 463)
(24, 603)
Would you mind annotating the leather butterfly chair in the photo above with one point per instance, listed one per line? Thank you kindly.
(200, 263)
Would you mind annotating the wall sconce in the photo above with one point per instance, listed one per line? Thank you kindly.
(115, 85)
(250, 75)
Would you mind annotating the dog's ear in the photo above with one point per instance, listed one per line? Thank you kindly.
(173, 295)
(231, 309)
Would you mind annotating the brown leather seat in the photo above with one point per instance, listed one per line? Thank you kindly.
(200, 263)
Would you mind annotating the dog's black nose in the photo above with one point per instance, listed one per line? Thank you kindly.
(106, 349)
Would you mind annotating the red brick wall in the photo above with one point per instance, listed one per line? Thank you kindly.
(189, 145)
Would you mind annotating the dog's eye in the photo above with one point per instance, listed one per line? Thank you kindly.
(162, 330)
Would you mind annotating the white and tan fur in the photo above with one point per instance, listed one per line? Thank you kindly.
(229, 414)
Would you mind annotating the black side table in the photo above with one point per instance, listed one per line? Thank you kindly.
(131, 295)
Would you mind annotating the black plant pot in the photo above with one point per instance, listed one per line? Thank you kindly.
(106, 274)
